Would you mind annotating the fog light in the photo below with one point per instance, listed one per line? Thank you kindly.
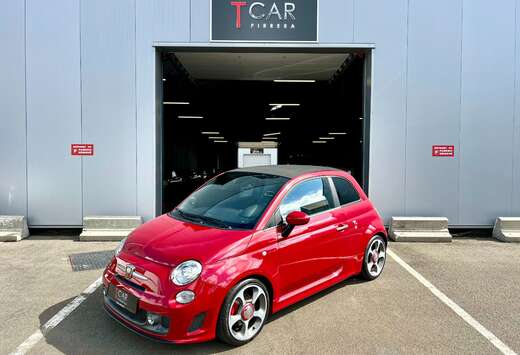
(185, 297)
(152, 318)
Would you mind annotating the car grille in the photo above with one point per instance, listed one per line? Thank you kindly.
(130, 283)
(138, 319)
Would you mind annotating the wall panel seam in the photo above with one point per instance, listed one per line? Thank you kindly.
(25, 102)
(406, 105)
(459, 149)
(515, 71)
(135, 112)
(353, 20)
(81, 109)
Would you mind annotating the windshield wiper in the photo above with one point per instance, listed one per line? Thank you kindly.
(214, 221)
(202, 219)
(188, 216)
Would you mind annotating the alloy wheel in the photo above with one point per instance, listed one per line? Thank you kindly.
(248, 312)
(376, 257)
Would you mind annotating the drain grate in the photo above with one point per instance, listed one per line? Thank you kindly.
(90, 261)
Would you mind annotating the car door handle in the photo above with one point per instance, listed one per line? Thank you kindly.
(342, 227)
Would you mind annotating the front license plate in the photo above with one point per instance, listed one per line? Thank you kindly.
(123, 298)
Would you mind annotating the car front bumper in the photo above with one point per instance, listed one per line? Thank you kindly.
(179, 323)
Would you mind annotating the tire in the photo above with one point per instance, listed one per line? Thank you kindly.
(372, 270)
(234, 316)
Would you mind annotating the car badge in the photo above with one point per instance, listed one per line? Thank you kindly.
(129, 271)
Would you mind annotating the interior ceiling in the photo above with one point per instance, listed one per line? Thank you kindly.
(261, 66)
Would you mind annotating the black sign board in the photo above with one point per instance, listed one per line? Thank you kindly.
(266, 20)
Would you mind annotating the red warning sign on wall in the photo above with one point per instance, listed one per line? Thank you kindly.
(82, 149)
(443, 151)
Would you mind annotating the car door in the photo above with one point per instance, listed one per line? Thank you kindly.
(309, 254)
(350, 217)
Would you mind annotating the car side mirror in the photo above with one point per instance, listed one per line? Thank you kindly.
(295, 218)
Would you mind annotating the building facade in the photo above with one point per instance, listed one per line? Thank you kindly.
(85, 71)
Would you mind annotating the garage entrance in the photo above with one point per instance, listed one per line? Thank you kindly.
(229, 108)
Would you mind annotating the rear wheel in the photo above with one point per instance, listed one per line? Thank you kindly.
(375, 258)
(243, 313)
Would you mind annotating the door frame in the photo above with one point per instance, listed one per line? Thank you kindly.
(161, 47)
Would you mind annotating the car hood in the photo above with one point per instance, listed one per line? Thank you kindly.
(170, 241)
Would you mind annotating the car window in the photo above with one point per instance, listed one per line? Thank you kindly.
(231, 200)
(310, 196)
(346, 192)
(275, 220)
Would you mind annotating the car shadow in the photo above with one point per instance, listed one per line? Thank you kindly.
(89, 330)
(314, 298)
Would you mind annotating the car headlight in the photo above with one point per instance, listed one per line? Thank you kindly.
(186, 272)
(119, 247)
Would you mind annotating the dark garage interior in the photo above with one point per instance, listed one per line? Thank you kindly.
(309, 107)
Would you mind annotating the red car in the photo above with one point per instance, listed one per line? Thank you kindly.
(245, 245)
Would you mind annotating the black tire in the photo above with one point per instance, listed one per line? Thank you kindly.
(365, 273)
(223, 332)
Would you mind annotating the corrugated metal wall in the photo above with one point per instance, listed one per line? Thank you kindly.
(72, 71)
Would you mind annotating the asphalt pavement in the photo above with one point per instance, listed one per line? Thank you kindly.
(395, 314)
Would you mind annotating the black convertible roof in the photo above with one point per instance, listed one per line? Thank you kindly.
(289, 171)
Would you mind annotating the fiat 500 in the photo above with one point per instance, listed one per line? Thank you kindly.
(245, 245)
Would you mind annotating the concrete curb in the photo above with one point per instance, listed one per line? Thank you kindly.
(108, 228)
(419, 229)
(13, 228)
(507, 229)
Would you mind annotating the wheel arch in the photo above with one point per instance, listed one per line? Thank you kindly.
(381, 234)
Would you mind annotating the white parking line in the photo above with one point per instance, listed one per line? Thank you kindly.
(38, 335)
(500, 345)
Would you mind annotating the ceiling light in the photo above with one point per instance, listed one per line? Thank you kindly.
(319, 142)
(163, 79)
(293, 81)
(272, 134)
(277, 118)
(220, 141)
(210, 132)
(193, 117)
(360, 118)
(327, 138)
(337, 133)
(217, 138)
(284, 104)
(279, 106)
(175, 103)
(270, 138)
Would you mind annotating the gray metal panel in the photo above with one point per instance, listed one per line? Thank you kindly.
(336, 21)
(145, 87)
(433, 107)
(387, 28)
(200, 21)
(53, 112)
(109, 106)
(13, 188)
(515, 211)
(155, 21)
(487, 110)
(161, 20)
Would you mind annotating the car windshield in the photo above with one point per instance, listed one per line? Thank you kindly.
(233, 200)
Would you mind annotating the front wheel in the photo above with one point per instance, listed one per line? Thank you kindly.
(243, 313)
(375, 257)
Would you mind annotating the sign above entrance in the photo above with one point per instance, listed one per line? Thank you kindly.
(267, 20)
